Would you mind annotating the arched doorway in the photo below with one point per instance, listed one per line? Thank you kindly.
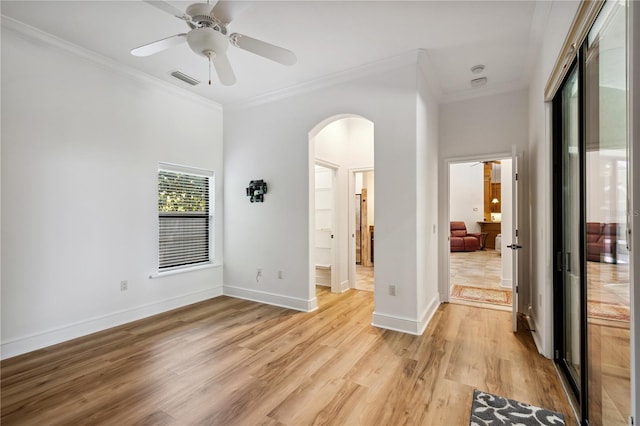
(340, 155)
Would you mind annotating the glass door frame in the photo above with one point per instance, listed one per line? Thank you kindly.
(578, 390)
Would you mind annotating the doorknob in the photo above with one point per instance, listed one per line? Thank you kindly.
(514, 246)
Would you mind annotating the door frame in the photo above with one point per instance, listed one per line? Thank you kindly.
(334, 217)
(577, 391)
(351, 190)
(444, 224)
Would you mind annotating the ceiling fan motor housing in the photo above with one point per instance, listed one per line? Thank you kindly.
(200, 12)
(205, 40)
(202, 16)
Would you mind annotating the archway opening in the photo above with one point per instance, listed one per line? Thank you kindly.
(342, 204)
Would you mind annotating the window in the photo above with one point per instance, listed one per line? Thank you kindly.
(185, 211)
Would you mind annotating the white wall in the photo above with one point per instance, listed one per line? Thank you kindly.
(485, 128)
(539, 164)
(81, 142)
(347, 143)
(466, 194)
(274, 235)
(427, 160)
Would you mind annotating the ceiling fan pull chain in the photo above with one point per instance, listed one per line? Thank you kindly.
(209, 68)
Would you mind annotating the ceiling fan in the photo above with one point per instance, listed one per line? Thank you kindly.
(208, 37)
(485, 162)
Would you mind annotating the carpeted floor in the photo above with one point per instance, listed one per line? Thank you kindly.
(488, 409)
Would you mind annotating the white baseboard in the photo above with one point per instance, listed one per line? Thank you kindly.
(407, 325)
(271, 298)
(21, 345)
(506, 283)
(428, 313)
(531, 322)
(344, 286)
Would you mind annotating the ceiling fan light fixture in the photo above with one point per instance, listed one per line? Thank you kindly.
(205, 40)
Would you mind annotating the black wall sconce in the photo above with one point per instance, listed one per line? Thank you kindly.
(256, 190)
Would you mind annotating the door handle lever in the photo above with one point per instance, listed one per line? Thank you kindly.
(514, 246)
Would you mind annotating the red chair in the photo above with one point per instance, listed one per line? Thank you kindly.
(461, 240)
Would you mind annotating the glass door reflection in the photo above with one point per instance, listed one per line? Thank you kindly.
(607, 269)
(570, 253)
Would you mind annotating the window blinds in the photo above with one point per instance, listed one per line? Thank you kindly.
(184, 219)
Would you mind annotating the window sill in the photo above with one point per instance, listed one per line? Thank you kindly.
(186, 269)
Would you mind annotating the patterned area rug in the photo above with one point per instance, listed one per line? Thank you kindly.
(502, 297)
(488, 409)
(607, 311)
(479, 294)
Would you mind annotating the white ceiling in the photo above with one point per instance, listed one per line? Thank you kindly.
(328, 37)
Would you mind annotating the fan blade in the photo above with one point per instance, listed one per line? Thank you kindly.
(170, 9)
(227, 10)
(159, 46)
(264, 49)
(223, 69)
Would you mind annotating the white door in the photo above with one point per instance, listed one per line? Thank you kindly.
(515, 244)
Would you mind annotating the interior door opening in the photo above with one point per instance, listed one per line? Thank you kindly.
(364, 225)
(344, 145)
(480, 223)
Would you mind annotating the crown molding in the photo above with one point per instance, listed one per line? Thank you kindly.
(35, 34)
(372, 68)
(484, 91)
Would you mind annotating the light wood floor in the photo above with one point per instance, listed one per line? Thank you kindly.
(607, 282)
(608, 347)
(364, 278)
(482, 268)
(229, 361)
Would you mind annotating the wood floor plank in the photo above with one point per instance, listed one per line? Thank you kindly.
(234, 362)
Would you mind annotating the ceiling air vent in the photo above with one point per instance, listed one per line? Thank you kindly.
(182, 76)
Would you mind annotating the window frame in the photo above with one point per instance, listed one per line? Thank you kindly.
(195, 171)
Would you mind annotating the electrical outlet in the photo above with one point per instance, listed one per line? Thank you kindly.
(124, 285)
(280, 275)
(392, 290)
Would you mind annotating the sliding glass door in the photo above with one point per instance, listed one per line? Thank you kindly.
(568, 256)
(607, 258)
(591, 283)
